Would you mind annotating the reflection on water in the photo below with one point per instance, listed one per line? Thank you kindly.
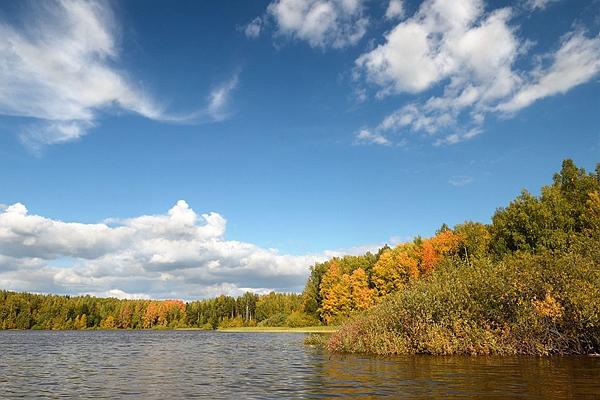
(167, 364)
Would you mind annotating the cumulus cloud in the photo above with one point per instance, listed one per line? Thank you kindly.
(59, 68)
(469, 55)
(320, 23)
(180, 254)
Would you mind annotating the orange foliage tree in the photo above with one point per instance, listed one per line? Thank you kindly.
(434, 249)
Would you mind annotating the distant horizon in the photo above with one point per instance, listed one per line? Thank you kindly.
(182, 151)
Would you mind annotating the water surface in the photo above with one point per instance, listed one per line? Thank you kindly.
(217, 365)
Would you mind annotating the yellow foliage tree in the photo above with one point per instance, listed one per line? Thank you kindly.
(336, 291)
(395, 268)
(363, 297)
(80, 322)
(591, 216)
(108, 323)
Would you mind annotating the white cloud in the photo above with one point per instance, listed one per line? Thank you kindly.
(460, 180)
(539, 4)
(364, 136)
(252, 30)
(576, 62)
(321, 23)
(59, 68)
(119, 294)
(219, 99)
(423, 49)
(469, 54)
(395, 9)
(180, 254)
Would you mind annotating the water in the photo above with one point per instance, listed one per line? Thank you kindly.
(216, 365)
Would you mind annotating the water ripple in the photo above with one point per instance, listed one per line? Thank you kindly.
(215, 365)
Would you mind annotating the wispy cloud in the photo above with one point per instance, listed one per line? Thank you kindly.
(253, 29)
(539, 4)
(471, 54)
(576, 61)
(460, 180)
(59, 68)
(395, 9)
(220, 97)
(365, 136)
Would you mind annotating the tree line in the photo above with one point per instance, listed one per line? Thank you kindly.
(36, 311)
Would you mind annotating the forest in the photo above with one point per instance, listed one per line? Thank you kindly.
(526, 283)
(35, 311)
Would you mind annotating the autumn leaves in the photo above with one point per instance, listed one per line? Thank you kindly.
(345, 290)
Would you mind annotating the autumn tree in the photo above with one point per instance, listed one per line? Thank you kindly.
(108, 323)
(336, 291)
(363, 297)
(396, 267)
(434, 249)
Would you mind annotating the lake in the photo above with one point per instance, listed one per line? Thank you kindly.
(217, 365)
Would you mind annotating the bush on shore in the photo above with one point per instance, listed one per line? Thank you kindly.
(524, 304)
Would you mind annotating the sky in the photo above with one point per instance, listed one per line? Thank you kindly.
(153, 149)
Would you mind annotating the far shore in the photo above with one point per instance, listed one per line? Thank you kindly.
(283, 329)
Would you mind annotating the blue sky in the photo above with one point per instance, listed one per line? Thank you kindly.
(312, 127)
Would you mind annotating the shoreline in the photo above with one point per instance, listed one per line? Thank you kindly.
(281, 329)
(244, 329)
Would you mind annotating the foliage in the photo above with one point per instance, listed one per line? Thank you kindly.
(33, 311)
(527, 284)
(525, 304)
(551, 222)
(352, 284)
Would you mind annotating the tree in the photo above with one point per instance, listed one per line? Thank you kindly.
(337, 294)
(474, 240)
(395, 268)
(81, 322)
(363, 297)
(551, 222)
(434, 249)
(108, 323)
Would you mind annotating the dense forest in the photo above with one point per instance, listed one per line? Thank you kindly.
(34, 311)
(527, 283)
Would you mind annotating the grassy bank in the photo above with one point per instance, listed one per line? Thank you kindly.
(266, 329)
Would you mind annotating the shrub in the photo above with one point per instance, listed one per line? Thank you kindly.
(298, 319)
(525, 304)
(278, 319)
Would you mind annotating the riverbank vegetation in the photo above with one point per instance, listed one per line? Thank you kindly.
(317, 329)
(528, 283)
